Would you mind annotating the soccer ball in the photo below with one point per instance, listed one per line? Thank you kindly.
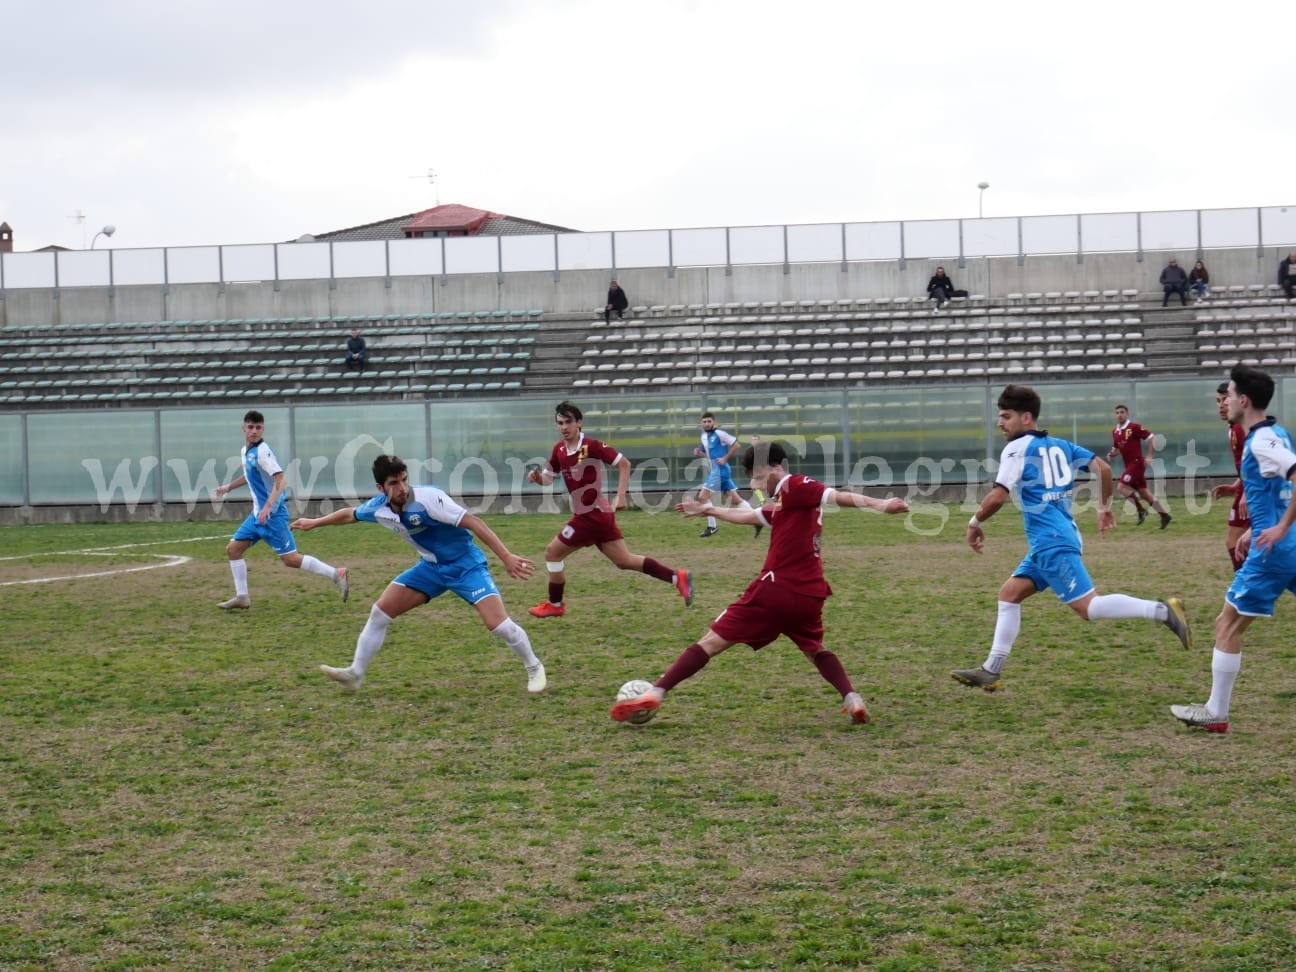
(632, 690)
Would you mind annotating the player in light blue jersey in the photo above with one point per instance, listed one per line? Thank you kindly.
(1038, 471)
(1268, 472)
(268, 520)
(718, 448)
(442, 532)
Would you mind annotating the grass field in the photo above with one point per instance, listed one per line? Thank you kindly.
(183, 790)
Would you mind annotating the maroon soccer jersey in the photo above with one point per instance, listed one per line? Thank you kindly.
(795, 517)
(1237, 439)
(1128, 441)
(582, 471)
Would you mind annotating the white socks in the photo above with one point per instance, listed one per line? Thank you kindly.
(1108, 607)
(513, 635)
(1224, 669)
(1006, 628)
(313, 566)
(370, 640)
(239, 569)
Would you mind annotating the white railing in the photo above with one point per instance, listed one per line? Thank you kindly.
(1194, 230)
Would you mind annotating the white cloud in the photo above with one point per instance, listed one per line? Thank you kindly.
(251, 122)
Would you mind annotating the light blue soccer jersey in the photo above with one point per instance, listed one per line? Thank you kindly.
(1039, 470)
(259, 468)
(716, 444)
(429, 523)
(1267, 461)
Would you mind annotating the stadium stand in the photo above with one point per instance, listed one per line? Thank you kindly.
(807, 342)
(298, 359)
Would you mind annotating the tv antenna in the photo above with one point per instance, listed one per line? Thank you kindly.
(431, 177)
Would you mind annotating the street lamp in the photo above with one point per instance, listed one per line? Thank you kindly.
(108, 230)
(983, 186)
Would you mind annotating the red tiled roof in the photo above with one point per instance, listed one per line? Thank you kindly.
(394, 227)
(451, 217)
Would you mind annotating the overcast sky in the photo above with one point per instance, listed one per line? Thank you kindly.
(192, 123)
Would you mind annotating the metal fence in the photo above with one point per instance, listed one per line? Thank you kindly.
(843, 243)
(910, 439)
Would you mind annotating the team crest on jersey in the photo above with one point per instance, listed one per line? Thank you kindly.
(415, 520)
(584, 452)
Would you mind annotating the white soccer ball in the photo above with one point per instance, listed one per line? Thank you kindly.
(632, 690)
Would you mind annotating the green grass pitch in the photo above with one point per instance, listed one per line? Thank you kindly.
(182, 789)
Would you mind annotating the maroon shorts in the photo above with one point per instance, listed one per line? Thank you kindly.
(766, 611)
(1236, 519)
(588, 529)
(1134, 480)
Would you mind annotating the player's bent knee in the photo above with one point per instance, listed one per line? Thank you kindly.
(555, 566)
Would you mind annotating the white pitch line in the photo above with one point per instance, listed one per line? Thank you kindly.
(171, 560)
(120, 546)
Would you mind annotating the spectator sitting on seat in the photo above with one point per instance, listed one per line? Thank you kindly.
(1174, 281)
(1199, 281)
(356, 355)
(1287, 274)
(940, 288)
(616, 301)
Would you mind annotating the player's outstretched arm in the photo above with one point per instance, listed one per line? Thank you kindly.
(519, 568)
(623, 485)
(892, 504)
(1226, 489)
(232, 485)
(280, 484)
(730, 514)
(988, 508)
(1106, 518)
(336, 518)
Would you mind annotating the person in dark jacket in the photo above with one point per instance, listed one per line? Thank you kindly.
(1287, 275)
(1199, 281)
(616, 301)
(940, 288)
(1174, 281)
(356, 355)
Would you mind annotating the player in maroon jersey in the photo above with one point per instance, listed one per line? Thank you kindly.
(787, 597)
(1127, 441)
(580, 461)
(1238, 520)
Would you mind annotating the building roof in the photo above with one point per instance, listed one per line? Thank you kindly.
(451, 218)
